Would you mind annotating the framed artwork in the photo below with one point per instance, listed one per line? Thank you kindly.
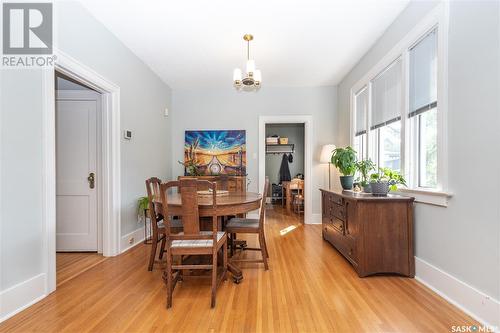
(215, 152)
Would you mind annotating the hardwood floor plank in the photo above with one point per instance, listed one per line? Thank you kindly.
(72, 264)
(309, 287)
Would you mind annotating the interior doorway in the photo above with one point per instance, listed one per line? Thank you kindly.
(110, 158)
(78, 115)
(303, 124)
(78, 110)
(285, 168)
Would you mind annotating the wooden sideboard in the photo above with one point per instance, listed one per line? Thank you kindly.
(234, 183)
(375, 234)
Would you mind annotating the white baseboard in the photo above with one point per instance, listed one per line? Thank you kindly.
(316, 219)
(475, 303)
(17, 298)
(137, 236)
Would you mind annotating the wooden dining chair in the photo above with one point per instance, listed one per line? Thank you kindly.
(298, 198)
(192, 241)
(156, 220)
(251, 226)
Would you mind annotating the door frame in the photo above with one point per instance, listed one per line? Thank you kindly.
(308, 148)
(89, 95)
(110, 159)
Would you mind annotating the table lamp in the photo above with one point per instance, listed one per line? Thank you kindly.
(326, 157)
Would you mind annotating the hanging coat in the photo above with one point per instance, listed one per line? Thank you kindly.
(285, 170)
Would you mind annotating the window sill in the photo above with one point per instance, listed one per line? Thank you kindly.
(435, 198)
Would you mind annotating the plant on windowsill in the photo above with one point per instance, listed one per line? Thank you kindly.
(365, 167)
(385, 180)
(344, 159)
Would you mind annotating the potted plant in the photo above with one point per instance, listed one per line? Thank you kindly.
(344, 159)
(191, 168)
(365, 167)
(142, 205)
(385, 180)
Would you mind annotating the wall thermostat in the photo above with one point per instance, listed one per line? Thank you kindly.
(127, 135)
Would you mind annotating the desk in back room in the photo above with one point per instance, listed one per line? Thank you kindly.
(288, 187)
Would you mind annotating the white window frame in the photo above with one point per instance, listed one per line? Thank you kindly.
(363, 137)
(437, 18)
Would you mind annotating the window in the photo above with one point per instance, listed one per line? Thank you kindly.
(422, 112)
(385, 120)
(398, 110)
(361, 107)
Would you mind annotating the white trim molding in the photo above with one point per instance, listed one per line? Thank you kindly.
(308, 148)
(111, 137)
(475, 303)
(435, 198)
(317, 218)
(111, 195)
(131, 239)
(22, 295)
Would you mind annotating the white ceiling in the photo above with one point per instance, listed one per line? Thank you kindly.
(198, 43)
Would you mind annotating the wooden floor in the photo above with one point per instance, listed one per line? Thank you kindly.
(309, 288)
(71, 264)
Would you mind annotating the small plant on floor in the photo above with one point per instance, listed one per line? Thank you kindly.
(344, 159)
(365, 167)
(142, 205)
(385, 180)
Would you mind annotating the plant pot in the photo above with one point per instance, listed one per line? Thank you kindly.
(379, 189)
(367, 188)
(346, 182)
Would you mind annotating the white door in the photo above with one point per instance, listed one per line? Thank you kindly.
(76, 193)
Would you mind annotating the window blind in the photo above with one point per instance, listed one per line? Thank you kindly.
(361, 111)
(386, 96)
(423, 75)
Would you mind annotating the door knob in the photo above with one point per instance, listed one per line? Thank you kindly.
(91, 179)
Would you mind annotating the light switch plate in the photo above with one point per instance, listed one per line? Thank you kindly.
(127, 134)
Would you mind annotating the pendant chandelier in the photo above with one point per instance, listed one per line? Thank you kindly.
(252, 78)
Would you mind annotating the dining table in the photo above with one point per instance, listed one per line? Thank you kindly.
(230, 204)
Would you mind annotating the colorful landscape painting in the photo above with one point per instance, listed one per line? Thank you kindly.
(215, 152)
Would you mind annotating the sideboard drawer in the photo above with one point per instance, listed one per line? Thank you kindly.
(337, 224)
(336, 199)
(343, 244)
(339, 211)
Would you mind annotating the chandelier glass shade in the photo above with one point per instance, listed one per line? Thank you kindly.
(251, 79)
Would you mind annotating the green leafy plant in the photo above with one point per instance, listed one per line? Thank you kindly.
(344, 159)
(389, 176)
(191, 168)
(142, 205)
(365, 167)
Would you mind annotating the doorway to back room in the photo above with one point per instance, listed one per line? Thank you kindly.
(284, 166)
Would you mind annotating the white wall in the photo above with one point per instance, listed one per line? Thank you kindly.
(229, 109)
(295, 135)
(462, 239)
(143, 99)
